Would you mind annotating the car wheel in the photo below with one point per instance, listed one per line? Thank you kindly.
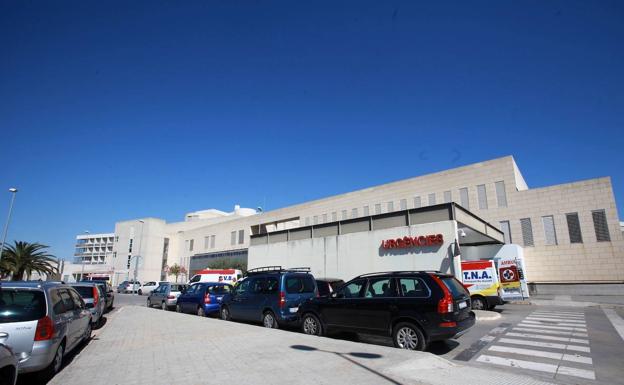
(163, 305)
(269, 321)
(408, 336)
(478, 303)
(200, 311)
(310, 324)
(225, 314)
(178, 309)
(140, 292)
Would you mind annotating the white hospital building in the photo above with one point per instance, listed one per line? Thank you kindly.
(569, 234)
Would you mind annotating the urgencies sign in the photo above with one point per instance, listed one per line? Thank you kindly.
(406, 242)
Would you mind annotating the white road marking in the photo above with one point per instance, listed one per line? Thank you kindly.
(542, 326)
(487, 338)
(551, 338)
(583, 373)
(550, 345)
(616, 321)
(574, 316)
(540, 353)
(537, 366)
(556, 320)
(577, 358)
(570, 313)
(556, 332)
(559, 324)
(497, 330)
(549, 368)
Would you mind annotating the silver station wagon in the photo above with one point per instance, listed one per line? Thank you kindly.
(41, 322)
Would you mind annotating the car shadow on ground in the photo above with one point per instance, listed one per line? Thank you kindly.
(347, 357)
(101, 324)
(36, 378)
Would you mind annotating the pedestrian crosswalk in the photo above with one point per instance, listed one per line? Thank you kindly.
(555, 343)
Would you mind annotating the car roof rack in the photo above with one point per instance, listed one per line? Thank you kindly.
(400, 272)
(276, 269)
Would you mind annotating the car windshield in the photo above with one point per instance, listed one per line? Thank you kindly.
(84, 291)
(299, 284)
(19, 305)
(456, 288)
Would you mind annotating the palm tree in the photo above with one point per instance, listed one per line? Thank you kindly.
(176, 270)
(24, 257)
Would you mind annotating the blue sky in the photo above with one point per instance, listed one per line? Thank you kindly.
(117, 110)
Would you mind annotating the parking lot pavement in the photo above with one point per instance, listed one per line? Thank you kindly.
(141, 345)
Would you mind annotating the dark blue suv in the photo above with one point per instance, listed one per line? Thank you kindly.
(270, 295)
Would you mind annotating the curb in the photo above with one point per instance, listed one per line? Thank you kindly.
(483, 315)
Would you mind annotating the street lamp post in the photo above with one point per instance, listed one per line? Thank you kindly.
(13, 190)
(136, 262)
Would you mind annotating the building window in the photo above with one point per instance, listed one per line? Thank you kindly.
(324, 218)
(366, 212)
(403, 204)
(191, 244)
(505, 228)
(354, 213)
(549, 230)
(463, 198)
(130, 247)
(307, 221)
(344, 214)
(501, 195)
(432, 199)
(117, 238)
(241, 237)
(233, 238)
(527, 231)
(417, 202)
(600, 226)
(482, 197)
(448, 197)
(378, 208)
(212, 241)
(390, 207)
(315, 220)
(334, 216)
(206, 242)
(574, 228)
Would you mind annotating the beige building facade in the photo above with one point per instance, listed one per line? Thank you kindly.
(570, 233)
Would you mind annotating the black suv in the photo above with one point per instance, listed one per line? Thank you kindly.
(414, 307)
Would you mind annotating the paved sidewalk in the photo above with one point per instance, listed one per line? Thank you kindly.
(149, 346)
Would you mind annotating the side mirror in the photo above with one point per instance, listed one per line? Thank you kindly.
(89, 305)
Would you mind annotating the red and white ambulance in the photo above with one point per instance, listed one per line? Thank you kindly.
(230, 276)
(481, 279)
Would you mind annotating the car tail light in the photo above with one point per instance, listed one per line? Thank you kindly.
(445, 305)
(171, 296)
(45, 329)
(96, 296)
(207, 299)
(448, 324)
(282, 302)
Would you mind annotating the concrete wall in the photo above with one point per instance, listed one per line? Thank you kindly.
(346, 256)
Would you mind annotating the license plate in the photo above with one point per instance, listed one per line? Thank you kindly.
(462, 305)
(293, 309)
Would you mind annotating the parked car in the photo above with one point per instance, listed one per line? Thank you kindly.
(149, 286)
(8, 366)
(94, 298)
(203, 298)
(414, 308)
(270, 295)
(166, 295)
(41, 322)
(326, 286)
(108, 289)
(128, 287)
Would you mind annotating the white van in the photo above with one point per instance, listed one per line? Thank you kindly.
(230, 276)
